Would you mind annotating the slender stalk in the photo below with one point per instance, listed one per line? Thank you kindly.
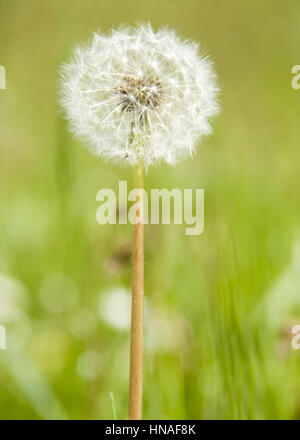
(137, 312)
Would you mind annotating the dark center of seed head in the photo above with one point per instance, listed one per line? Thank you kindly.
(137, 94)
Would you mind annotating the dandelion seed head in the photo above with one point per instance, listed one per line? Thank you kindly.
(136, 95)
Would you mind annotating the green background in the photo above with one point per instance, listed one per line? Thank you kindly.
(220, 306)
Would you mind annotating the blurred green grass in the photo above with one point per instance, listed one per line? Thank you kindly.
(220, 305)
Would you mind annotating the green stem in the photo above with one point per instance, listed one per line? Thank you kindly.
(137, 311)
